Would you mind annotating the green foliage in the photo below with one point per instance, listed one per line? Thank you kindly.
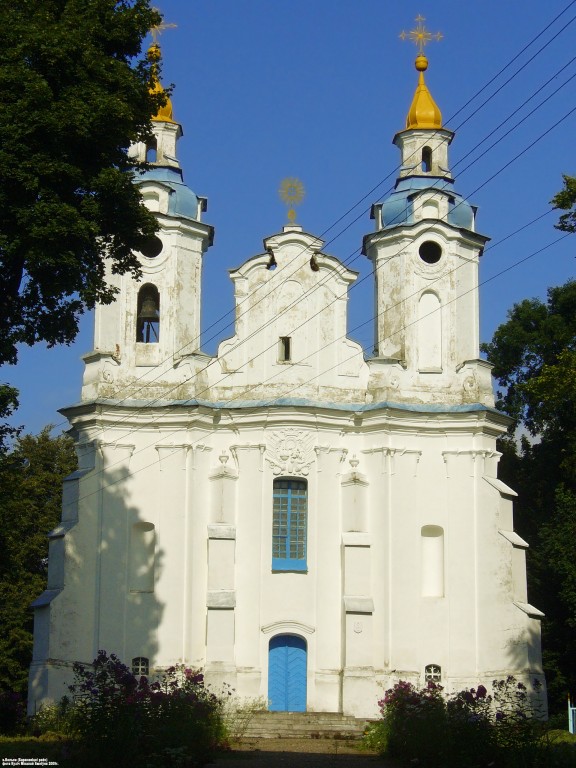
(75, 91)
(51, 747)
(54, 718)
(12, 712)
(425, 727)
(534, 354)
(565, 200)
(238, 713)
(8, 404)
(127, 721)
(535, 337)
(31, 478)
(422, 724)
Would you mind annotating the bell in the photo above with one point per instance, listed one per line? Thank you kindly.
(149, 310)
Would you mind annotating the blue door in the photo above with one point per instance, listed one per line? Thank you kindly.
(287, 674)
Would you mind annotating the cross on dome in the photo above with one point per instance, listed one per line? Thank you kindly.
(165, 113)
(420, 36)
(423, 112)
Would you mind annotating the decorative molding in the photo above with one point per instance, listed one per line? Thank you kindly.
(406, 454)
(356, 539)
(166, 451)
(472, 454)
(502, 488)
(358, 604)
(514, 539)
(534, 613)
(354, 478)
(116, 456)
(289, 625)
(221, 531)
(221, 598)
(223, 470)
(291, 452)
(235, 450)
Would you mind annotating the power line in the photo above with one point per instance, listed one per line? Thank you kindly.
(307, 294)
(273, 402)
(360, 281)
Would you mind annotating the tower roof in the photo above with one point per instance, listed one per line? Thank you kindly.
(423, 112)
(164, 114)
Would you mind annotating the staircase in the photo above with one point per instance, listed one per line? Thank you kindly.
(304, 725)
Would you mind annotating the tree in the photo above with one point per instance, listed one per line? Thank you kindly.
(31, 478)
(8, 404)
(534, 357)
(533, 338)
(74, 95)
(566, 200)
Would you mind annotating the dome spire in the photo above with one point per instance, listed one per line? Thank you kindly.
(164, 114)
(423, 112)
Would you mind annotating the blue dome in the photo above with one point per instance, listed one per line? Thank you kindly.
(181, 200)
(398, 208)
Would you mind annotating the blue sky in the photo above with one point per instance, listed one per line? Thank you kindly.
(316, 89)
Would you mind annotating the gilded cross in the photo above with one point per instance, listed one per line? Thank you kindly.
(420, 36)
(157, 30)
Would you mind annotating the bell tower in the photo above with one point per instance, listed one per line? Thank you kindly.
(154, 322)
(425, 252)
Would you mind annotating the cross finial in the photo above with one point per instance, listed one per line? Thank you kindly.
(420, 36)
(157, 29)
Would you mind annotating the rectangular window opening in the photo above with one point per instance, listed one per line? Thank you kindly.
(284, 349)
(289, 525)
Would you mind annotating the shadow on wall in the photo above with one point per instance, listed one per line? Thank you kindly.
(104, 567)
(524, 656)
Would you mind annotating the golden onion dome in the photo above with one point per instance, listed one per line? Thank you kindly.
(164, 114)
(423, 112)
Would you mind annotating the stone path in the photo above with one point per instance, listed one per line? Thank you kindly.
(298, 753)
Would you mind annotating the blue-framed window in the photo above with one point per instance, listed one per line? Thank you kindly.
(290, 521)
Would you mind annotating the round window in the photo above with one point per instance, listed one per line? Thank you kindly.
(152, 247)
(430, 252)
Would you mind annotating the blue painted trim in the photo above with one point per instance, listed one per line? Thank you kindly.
(297, 402)
(282, 564)
(290, 524)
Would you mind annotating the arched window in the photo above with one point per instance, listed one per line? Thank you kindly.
(432, 561)
(289, 524)
(148, 315)
(432, 673)
(426, 159)
(140, 666)
(142, 557)
(429, 333)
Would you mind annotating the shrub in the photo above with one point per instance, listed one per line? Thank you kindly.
(238, 713)
(54, 718)
(127, 721)
(412, 720)
(12, 713)
(470, 728)
(519, 723)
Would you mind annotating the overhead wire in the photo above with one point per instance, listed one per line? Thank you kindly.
(345, 335)
(272, 402)
(147, 383)
(250, 336)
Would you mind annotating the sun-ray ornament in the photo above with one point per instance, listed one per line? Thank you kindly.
(420, 36)
(291, 193)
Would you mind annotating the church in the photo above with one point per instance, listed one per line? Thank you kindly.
(298, 520)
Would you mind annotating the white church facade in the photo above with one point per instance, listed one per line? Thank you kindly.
(303, 523)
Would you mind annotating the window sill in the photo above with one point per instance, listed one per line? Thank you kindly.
(282, 565)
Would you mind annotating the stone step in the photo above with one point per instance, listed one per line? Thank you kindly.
(314, 725)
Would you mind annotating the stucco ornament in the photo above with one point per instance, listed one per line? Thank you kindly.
(290, 452)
